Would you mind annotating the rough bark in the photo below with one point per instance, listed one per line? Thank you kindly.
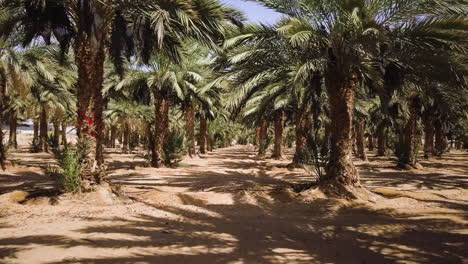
(190, 129)
(381, 140)
(113, 136)
(161, 127)
(360, 140)
(257, 136)
(409, 141)
(263, 137)
(279, 127)
(43, 147)
(341, 91)
(56, 124)
(126, 139)
(325, 148)
(428, 134)
(203, 128)
(441, 142)
(371, 142)
(2, 101)
(89, 58)
(12, 141)
(301, 136)
(36, 132)
(63, 132)
(211, 142)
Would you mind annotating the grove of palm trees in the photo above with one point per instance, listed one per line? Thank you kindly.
(180, 131)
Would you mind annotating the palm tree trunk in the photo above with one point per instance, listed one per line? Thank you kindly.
(340, 168)
(360, 138)
(36, 132)
(203, 128)
(409, 141)
(428, 134)
(371, 142)
(325, 148)
(12, 142)
(257, 136)
(126, 139)
(301, 136)
(89, 57)
(56, 133)
(161, 127)
(381, 140)
(279, 127)
(190, 129)
(64, 133)
(211, 142)
(441, 142)
(113, 135)
(43, 130)
(2, 99)
(263, 137)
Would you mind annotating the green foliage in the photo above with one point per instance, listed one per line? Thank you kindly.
(264, 145)
(174, 148)
(68, 172)
(314, 158)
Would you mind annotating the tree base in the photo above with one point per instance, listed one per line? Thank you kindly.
(336, 189)
(277, 157)
(406, 166)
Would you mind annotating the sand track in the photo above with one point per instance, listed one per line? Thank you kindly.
(229, 207)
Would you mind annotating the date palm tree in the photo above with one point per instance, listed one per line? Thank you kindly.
(103, 28)
(347, 36)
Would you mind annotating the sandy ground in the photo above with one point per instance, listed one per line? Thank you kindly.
(229, 207)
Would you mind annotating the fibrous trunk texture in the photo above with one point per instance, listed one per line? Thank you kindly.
(441, 141)
(409, 140)
(202, 141)
(12, 142)
(113, 136)
(279, 127)
(56, 132)
(2, 103)
(341, 91)
(257, 136)
(64, 133)
(381, 140)
(190, 129)
(371, 142)
(211, 142)
(161, 127)
(43, 130)
(428, 134)
(360, 140)
(36, 132)
(89, 58)
(263, 137)
(126, 139)
(301, 136)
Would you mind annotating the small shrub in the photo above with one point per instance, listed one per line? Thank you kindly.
(174, 148)
(34, 147)
(68, 173)
(264, 145)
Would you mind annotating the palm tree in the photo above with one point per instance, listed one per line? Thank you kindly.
(93, 26)
(346, 35)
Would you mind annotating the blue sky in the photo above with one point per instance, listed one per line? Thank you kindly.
(254, 12)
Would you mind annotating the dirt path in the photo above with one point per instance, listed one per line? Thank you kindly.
(228, 207)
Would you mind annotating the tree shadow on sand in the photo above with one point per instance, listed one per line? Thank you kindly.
(267, 232)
